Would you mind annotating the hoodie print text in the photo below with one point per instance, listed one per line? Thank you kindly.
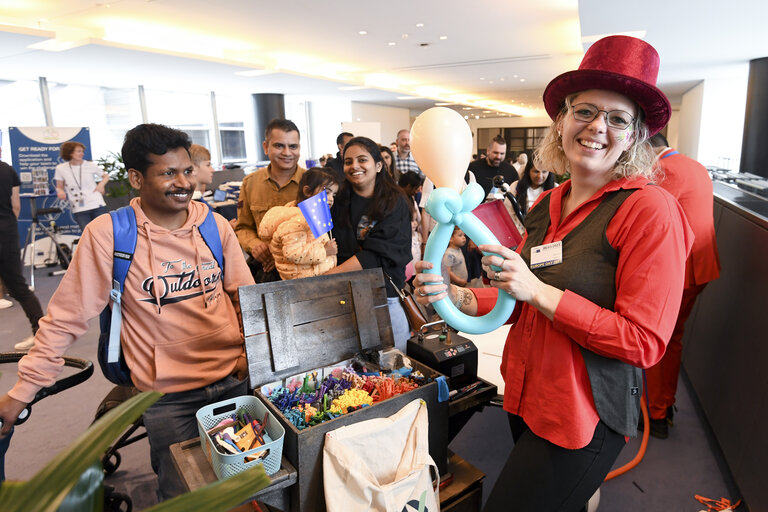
(179, 282)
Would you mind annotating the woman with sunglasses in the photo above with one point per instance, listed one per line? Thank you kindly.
(597, 280)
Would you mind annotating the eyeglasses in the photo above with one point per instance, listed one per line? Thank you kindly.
(618, 119)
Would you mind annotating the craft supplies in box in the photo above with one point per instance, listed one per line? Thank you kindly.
(342, 391)
(232, 448)
(312, 326)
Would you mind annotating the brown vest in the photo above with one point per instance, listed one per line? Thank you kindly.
(589, 270)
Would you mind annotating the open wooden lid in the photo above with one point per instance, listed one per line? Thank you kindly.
(300, 325)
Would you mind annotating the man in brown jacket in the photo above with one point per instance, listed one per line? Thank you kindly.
(274, 185)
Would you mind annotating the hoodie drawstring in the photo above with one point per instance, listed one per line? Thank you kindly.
(151, 261)
(198, 264)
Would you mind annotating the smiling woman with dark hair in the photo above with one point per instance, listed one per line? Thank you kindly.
(372, 225)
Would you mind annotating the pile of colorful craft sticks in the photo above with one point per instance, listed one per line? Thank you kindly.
(240, 433)
(344, 390)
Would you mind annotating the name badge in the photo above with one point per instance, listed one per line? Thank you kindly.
(547, 255)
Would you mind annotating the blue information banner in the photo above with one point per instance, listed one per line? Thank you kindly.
(35, 155)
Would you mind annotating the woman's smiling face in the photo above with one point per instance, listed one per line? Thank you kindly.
(361, 169)
(594, 147)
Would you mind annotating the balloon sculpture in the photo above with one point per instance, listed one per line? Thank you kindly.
(441, 142)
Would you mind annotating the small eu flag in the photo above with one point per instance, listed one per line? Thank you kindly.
(318, 213)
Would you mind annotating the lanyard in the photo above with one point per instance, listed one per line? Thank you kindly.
(673, 152)
(79, 187)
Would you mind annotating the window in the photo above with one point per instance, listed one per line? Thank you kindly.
(231, 112)
(189, 112)
(20, 106)
(108, 112)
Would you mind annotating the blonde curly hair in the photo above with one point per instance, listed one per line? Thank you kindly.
(639, 159)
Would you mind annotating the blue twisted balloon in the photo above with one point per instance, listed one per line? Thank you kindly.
(449, 210)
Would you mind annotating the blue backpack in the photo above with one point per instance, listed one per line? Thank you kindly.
(110, 352)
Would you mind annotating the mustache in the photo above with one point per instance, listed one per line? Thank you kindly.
(180, 191)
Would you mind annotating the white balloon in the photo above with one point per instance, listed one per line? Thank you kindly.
(441, 143)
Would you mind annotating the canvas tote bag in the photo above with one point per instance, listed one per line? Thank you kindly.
(381, 464)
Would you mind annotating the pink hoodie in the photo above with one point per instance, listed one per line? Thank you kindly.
(185, 337)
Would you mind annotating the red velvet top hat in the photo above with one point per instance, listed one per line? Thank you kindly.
(623, 64)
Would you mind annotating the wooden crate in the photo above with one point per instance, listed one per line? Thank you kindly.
(298, 326)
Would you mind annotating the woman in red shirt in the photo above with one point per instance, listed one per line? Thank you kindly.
(597, 279)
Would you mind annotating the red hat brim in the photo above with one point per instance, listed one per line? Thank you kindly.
(649, 98)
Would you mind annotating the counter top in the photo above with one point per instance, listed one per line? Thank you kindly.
(749, 205)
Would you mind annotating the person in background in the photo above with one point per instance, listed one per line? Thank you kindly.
(76, 179)
(532, 183)
(521, 162)
(389, 162)
(411, 184)
(393, 147)
(403, 158)
(454, 269)
(269, 186)
(201, 161)
(597, 280)
(372, 225)
(296, 251)
(689, 182)
(187, 345)
(10, 252)
(337, 163)
(4, 303)
(492, 165)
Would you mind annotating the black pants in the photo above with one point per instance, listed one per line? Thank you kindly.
(542, 477)
(10, 273)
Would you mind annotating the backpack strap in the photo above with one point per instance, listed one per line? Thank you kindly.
(124, 232)
(210, 233)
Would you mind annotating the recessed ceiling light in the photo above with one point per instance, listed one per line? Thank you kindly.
(443, 38)
(362, 32)
(443, 104)
(490, 82)
(522, 79)
(514, 76)
(419, 25)
(477, 117)
(487, 111)
(501, 79)
(482, 78)
(391, 43)
(466, 108)
(466, 117)
(404, 36)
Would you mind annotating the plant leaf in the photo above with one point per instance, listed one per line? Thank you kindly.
(46, 490)
(221, 495)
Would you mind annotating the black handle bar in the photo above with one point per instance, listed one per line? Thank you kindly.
(86, 370)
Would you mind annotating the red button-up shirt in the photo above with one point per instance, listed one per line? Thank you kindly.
(546, 381)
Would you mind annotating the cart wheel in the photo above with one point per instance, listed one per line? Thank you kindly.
(109, 466)
(115, 501)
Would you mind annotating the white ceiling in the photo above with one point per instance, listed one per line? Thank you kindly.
(196, 45)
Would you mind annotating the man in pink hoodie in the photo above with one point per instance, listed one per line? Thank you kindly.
(180, 329)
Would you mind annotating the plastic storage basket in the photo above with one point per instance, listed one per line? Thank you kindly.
(227, 465)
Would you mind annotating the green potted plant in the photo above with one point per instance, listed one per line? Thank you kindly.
(118, 191)
(72, 481)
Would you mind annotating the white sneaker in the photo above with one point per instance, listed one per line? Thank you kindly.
(25, 344)
(5, 304)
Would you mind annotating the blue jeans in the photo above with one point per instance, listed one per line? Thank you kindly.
(401, 330)
(83, 218)
(172, 420)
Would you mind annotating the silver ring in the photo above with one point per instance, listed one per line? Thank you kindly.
(496, 276)
(420, 293)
